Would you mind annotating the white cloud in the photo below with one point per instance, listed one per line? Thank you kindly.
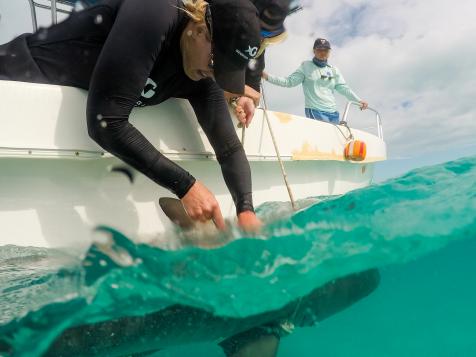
(413, 60)
(14, 19)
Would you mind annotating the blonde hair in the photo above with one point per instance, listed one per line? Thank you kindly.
(195, 9)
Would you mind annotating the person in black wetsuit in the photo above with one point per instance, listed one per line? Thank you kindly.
(140, 52)
(135, 53)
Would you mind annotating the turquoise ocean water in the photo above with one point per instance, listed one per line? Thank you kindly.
(419, 230)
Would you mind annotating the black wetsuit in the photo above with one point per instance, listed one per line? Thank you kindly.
(127, 53)
(253, 73)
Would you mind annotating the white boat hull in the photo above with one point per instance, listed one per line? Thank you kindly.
(56, 183)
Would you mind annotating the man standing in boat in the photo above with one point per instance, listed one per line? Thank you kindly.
(319, 80)
(187, 49)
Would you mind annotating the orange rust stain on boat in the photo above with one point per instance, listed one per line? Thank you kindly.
(309, 152)
(283, 118)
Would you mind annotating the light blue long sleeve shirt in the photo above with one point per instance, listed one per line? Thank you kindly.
(318, 85)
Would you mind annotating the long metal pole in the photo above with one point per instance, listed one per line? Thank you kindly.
(273, 138)
(54, 15)
(33, 15)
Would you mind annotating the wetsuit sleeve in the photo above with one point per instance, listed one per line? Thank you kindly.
(126, 60)
(343, 88)
(212, 113)
(292, 80)
(253, 74)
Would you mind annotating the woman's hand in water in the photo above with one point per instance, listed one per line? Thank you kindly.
(245, 110)
(248, 221)
(201, 205)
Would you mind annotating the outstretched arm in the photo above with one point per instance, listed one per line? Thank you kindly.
(212, 113)
(116, 85)
(343, 88)
(293, 80)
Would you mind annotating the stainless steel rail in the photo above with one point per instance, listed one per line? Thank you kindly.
(377, 117)
(52, 7)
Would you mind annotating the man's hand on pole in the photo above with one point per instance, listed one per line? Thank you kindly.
(245, 110)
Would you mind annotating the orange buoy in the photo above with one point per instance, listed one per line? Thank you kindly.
(355, 150)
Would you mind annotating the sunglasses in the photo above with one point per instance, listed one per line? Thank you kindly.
(271, 38)
(209, 23)
(270, 34)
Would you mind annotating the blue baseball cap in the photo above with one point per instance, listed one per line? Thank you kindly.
(322, 44)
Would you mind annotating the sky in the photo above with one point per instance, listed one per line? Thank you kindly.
(412, 60)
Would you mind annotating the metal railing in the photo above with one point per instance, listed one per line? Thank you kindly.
(52, 7)
(377, 116)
